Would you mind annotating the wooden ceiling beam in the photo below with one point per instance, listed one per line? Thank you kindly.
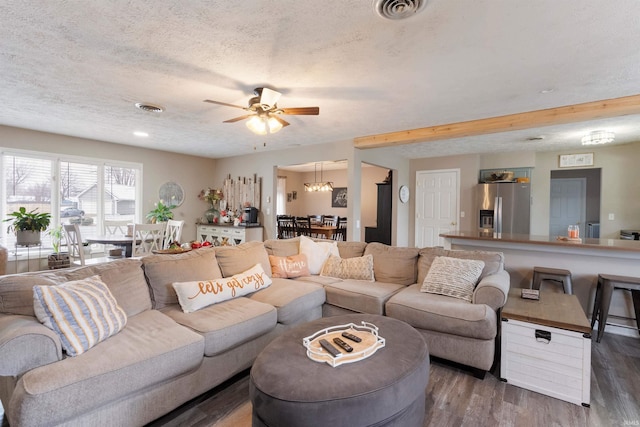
(551, 116)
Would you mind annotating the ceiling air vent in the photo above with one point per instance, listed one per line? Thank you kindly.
(149, 107)
(398, 9)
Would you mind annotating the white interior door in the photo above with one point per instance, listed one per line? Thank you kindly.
(567, 205)
(437, 205)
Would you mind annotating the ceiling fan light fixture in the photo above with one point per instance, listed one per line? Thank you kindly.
(261, 125)
(598, 137)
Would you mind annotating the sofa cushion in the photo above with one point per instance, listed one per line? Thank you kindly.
(361, 296)
(226, 325)
(82, 312)
(163, 270)
(493, 261)
(151, 350)
(289, 267)
(360, 268)
(442, 313)
(351, 249)
(124, 278)
(198, 294)
(453, 277)
(292, 299)
(236, 259)
(317, 253)
(16, 291)
(282, 247)
(393, 264)
(319, 280)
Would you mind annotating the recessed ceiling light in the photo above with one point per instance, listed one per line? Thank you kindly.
(153, 108)
(546, 90)
(140, 134)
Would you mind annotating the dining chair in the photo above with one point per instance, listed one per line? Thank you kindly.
(303, 226)
(172, 233)
(286, 227)
(315, 219)
(341, 229)
(330, 220)
(146, 238)
(115, 227)
(75, 247)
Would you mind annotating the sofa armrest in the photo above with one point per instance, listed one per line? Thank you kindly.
(493, 290)
(25, 344)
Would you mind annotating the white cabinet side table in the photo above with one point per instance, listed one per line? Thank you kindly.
(546, 346)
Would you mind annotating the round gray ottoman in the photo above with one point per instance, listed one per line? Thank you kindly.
(386, 389)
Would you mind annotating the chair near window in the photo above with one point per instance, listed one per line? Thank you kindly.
(172, 233)
(115, 228)
(75, 247)
(146, 239)
(286, 227)
(303, 226)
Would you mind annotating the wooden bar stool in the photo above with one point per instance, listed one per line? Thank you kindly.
(606, 284)
(555, 274)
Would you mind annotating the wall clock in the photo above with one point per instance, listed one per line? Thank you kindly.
(403, 193)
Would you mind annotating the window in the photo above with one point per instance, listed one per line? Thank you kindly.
(72, 189)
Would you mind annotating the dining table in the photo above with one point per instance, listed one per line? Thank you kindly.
(123, 241)
(325, 230)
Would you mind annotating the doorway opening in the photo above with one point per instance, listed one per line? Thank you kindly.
(575, 199)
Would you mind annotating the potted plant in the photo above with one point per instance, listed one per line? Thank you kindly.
(161, 213)
(57, 259)
(28, 225)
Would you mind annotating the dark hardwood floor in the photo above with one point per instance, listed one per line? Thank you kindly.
(457, 398)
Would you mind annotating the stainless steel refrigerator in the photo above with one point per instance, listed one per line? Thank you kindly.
(504, 207)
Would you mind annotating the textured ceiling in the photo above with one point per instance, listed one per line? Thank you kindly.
(78, 67)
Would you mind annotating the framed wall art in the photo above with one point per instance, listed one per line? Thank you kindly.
(575, 160)
(339, 197)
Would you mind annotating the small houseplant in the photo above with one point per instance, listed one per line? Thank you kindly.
(28, 225)
(161, 213)
(57, 259)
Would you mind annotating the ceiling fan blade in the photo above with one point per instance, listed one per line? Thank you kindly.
(224, 103)
(269, 97)
(237, 119)
(302, 111)
(281, 121)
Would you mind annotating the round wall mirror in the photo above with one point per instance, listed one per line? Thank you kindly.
(171, 193)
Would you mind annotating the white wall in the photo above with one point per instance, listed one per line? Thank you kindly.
(193, 173)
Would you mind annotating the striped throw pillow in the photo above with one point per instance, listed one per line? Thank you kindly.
(453, 277)
(82, 312)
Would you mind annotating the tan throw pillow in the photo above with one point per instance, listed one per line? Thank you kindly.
(193, 296)
(317, 253)
(82, 312)
(453, 277)
(360, 268)
(289, 267)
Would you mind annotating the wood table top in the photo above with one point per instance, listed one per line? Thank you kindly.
(553, 309)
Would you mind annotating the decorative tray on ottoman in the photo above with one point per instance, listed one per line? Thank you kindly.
(370, 343)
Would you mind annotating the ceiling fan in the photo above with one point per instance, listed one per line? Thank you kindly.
(265, 113)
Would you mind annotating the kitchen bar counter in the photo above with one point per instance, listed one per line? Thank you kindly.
(584, 259)
(550, 243)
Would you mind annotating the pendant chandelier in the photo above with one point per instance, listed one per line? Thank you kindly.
(318, 185)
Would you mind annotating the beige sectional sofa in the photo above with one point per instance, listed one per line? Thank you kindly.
(164, 357)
